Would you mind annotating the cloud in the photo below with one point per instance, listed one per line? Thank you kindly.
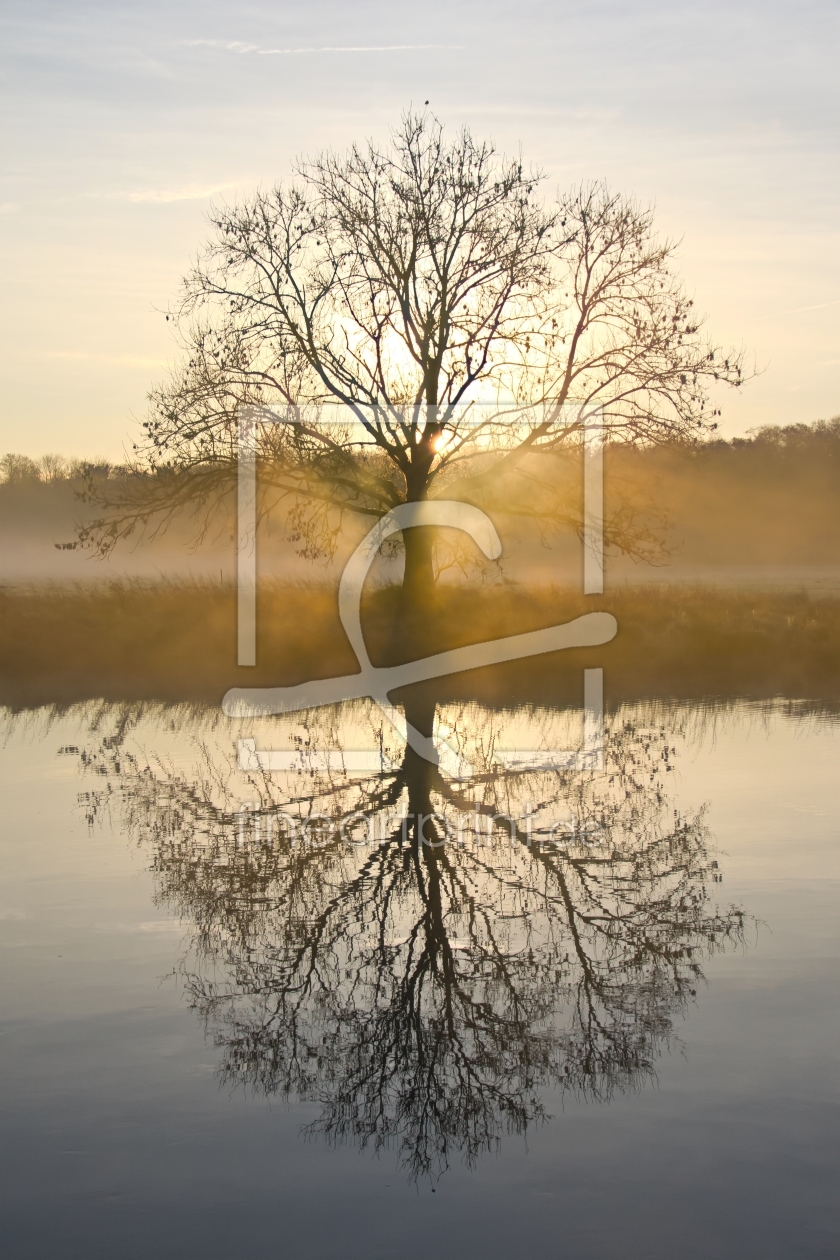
(229, 45)
(130, 360)
(237, 46)
(796, 310)
(360, 48)
(190, 192)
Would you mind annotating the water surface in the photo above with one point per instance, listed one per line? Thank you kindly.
(613, 1036)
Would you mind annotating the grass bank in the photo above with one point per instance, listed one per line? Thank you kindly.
(178, 643)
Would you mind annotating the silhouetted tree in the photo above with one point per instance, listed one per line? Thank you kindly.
(419, 324)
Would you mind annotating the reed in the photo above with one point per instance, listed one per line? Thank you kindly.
(177, 642)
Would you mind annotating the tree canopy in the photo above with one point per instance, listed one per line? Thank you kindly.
(412, 320)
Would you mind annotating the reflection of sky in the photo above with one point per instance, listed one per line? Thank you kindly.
(123, 119)
(112, 1083)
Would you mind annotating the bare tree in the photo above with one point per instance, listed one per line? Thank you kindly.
(419, 322)
(18, 469)
(54, 468)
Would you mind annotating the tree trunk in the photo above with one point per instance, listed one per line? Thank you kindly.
(419, 576)
(418, 540)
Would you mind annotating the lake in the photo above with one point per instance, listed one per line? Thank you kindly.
(589, 1008)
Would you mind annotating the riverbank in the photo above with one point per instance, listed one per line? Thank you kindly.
(177, 642)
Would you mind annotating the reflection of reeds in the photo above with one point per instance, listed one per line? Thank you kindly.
(178, 642)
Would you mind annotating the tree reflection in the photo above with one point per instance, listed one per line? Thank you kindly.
(427, 992)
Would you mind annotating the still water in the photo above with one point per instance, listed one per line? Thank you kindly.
(249, 1013)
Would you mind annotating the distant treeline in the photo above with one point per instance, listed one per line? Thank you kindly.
(20, 470)
(771, 449)
(770, 498)
(766, 451)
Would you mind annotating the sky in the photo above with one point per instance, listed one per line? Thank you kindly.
(121, 122)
